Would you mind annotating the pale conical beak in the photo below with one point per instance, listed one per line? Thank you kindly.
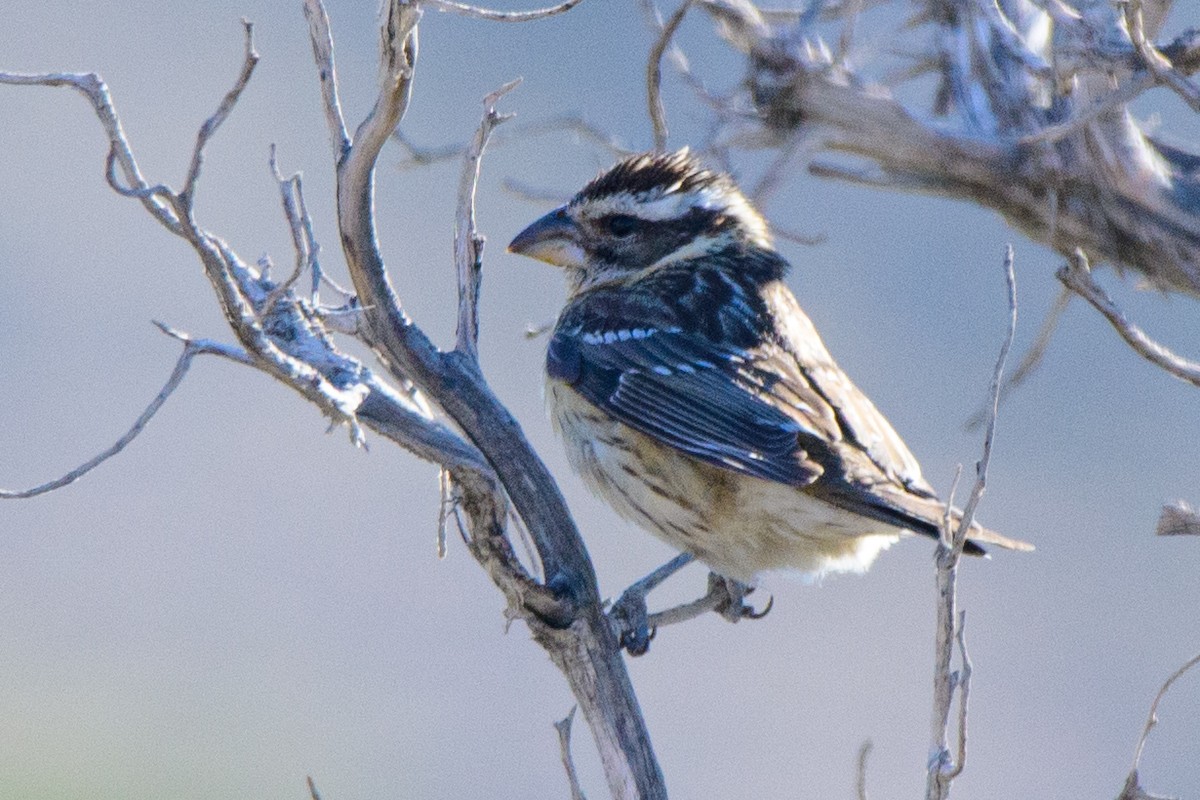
(554, 239)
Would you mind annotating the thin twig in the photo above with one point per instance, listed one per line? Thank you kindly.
(291, 195)
(155, 199)
(563, 727)
(1032, 358)
(1120, 96)
(1076, 275)
(1152, 717)
(191, 349)
(846, 39)
(943, 767)
(468, 244)
(312, 789)
(210, 126)
(321, 37)
(532, 193)
(964, 693)
(1157, 64)
(658, 114)
(981, 468)
(860, 772)
(501, 16)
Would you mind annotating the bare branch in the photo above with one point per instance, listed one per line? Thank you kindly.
(1076, 275)
(1133, 789)
(1158, 64)
(964, 693)
(478, 12)
(860, 773)
(563, 727)
(1152, 717)
(468, 244)
(321, 37)
(1032, 358)
(1069, 167)
(658, 115)
(291, 194)
(156, 199)
(191, 349)
(1178, 519)
(313, 794)
(942, 767)
(563, 613)
(210, 126)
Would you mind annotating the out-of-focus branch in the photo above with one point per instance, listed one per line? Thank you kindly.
(658, 114)
(944, 767)
(1178, 519)
(1037, 132)
(479, 12)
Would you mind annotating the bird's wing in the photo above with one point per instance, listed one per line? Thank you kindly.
(871, 472)
(707, 398)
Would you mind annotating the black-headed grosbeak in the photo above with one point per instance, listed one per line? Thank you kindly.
(696, 397)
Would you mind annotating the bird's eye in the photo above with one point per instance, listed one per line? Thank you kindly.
(621, 224)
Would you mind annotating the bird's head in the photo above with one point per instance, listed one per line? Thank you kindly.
(646, 212)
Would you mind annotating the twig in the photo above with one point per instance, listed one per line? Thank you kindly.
(964, 692)
(321, 37)
(1152, 717)
(210, 126)
(532, 193)
(1076, 275)
(860, 772)
(1118, 97)
(468, 244)
(1132, 790)
(419, 156)
(846, 39)
(155, 199)
(501, 16)
(942, 767)
(1032, 359)
(291, 194)
(658, 114)
(1157, 64)
(312, 789)
(563, 727)
(191, 349)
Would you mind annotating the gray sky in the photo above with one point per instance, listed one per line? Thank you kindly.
(240, 600)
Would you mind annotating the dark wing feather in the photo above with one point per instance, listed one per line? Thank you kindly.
(684, 390)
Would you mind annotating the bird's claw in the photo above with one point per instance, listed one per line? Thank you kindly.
(631, 621)
(732, 603)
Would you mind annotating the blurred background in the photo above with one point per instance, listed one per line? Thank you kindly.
(240, 600)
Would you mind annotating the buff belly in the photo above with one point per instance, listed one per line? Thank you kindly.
(738, 525)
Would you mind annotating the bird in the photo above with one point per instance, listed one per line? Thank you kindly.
(694, 395)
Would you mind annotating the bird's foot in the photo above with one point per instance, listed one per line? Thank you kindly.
(629, 615)
(635, 626)
(729, 598)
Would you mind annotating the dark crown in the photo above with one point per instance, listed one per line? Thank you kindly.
(648, 173)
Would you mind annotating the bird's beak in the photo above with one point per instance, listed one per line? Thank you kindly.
(554, 239)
